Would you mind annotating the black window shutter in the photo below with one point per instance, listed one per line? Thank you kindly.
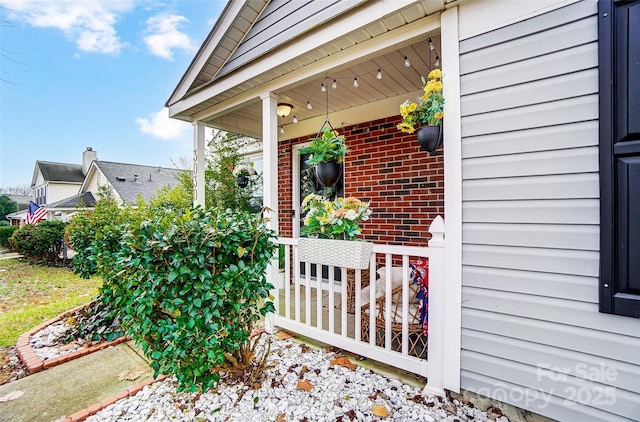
(619, 59)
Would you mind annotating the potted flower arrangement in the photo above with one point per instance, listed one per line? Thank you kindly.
(242, 173)
(427, 112)
(326, 154)
(333, 226)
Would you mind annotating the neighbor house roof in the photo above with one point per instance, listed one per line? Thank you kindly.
(81, 200)
(130, 180)
(58, 172)
(22, 201)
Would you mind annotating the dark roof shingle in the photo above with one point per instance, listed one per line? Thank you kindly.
(149, 179)
(61, 172)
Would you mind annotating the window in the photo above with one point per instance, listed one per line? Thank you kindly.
(619, 59)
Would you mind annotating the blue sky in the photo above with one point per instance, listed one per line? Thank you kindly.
(95, 73)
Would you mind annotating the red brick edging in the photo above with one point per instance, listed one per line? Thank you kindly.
(35, 364)
(129, 392)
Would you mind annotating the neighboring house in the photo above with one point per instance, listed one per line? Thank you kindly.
(537, 180)
(129, 181)
(59, 181)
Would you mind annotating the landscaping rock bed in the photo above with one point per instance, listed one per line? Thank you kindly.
(301, 384)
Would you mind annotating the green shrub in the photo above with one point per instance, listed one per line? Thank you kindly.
(86, 226)
(5, 234)
(189, 288)
(40, 242)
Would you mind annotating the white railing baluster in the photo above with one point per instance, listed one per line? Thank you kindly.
(319, 298)
(332, 307)
(388, 262)
(406, 288)
(343, 300)
(307, 294)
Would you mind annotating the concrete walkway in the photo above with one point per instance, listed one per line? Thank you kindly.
(65, 389)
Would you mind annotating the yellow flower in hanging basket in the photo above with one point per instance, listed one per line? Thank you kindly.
(428, 109)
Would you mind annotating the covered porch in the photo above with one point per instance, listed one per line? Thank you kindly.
(374, 54)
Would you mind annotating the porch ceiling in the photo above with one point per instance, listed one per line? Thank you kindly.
(397, 79)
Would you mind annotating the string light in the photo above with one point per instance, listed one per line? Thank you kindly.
(379, 75)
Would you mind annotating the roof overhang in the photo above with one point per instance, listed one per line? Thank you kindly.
(368, 37)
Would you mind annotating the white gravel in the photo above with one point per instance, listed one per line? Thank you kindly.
(337, 394)
(47, 343)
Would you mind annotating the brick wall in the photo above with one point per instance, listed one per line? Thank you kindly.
(385, 166)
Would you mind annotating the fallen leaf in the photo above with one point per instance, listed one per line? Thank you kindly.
(281, 418)
(11, 396)
(133, 374)
(283, 335)
(342, 361)
(380, 410)
(304, 385)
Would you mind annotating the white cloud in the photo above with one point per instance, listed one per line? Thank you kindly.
(88, 23)
(161, 126)
(164, 36)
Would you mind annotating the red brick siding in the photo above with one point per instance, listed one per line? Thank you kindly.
(385, 166)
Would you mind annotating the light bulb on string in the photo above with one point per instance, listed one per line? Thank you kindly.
(309, 106)
(323, 88)
(334, 85)
(295, 119)
(379, 75)
(407, 62)
(355, 82)
(437, 62)
(282, 129)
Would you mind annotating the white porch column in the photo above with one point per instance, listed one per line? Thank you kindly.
(270, 181)
(452, 199)
(198, 164)
(437, 282)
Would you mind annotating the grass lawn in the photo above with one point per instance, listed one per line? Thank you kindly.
(32, 294)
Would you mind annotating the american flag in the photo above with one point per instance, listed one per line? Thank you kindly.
(35, 214)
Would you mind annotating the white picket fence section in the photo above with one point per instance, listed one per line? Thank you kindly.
(299, 310)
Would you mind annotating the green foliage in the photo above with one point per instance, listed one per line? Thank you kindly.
(189, 288)
(87, 226)
(7, 206)
(328, 148)
(40, 242)
(221, 187)
(5, 234)
(98, 320)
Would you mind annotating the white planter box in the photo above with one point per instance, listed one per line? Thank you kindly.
(339, 253)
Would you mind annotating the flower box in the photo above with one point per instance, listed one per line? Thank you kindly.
(339, 253)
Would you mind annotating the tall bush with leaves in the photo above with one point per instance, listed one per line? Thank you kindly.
(86, 227)
(189, 288)
(221, 187)
(41, 242)
(5, 234)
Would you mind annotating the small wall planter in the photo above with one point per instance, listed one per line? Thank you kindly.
(430, 137)
(242, 181)
(339, 253)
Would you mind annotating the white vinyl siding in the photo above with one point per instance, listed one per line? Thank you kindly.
(531, 330)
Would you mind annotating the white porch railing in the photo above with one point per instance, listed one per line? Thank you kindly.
(316, 306)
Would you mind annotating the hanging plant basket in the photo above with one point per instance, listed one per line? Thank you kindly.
(430, 137)
(339, 253)
(328, 173)
(242, 181)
